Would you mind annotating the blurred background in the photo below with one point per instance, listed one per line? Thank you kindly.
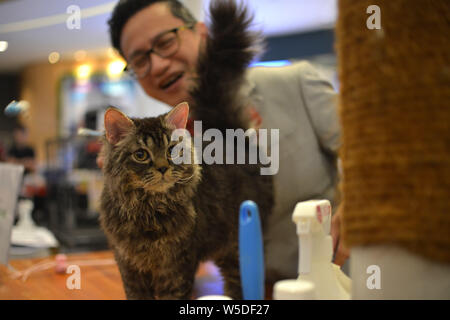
(63, 74)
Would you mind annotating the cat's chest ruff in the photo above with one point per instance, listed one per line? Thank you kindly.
(156, 255)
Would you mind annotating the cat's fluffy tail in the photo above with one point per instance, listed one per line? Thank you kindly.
(221, 67)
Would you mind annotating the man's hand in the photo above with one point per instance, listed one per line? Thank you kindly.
(99, 160)
(341, 252)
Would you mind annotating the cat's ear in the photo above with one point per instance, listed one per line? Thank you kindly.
(117, 125)
(178, 116)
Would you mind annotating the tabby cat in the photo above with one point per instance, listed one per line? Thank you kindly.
(162, 219)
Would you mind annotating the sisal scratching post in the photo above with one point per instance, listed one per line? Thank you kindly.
(395, 115)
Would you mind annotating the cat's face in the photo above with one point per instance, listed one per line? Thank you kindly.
(143, 153)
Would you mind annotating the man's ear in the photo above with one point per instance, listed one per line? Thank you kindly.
(117, 125)
(177, 117)
(202, 29)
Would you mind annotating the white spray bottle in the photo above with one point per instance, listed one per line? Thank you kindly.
(318, 277)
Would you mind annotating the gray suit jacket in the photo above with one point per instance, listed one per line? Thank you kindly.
(302, 105)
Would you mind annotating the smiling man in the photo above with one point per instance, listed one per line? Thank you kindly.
(161, 41)
(161, 44)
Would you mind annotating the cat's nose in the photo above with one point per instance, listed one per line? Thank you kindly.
(162, 169)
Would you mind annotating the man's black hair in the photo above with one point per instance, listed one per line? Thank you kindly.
(125, 9)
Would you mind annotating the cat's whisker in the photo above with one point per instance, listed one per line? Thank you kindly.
(149, 180)
(193, 173)
(185, 180)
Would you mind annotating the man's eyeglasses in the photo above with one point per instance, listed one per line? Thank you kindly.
(165, 45)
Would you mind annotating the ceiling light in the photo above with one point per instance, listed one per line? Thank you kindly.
(3, 46)
(115, 68)
(53, 57)
(83, 72)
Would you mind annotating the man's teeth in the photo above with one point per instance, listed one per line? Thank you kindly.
(171, 80)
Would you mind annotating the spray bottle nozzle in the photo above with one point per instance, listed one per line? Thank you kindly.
(313, 215)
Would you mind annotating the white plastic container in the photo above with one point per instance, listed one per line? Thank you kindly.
(318, 277)
(294, 290)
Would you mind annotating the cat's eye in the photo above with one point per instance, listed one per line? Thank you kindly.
(141, 155)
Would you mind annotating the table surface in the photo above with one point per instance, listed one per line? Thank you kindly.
(98, 282)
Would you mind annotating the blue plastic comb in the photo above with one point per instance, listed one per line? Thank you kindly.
(251, 252)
